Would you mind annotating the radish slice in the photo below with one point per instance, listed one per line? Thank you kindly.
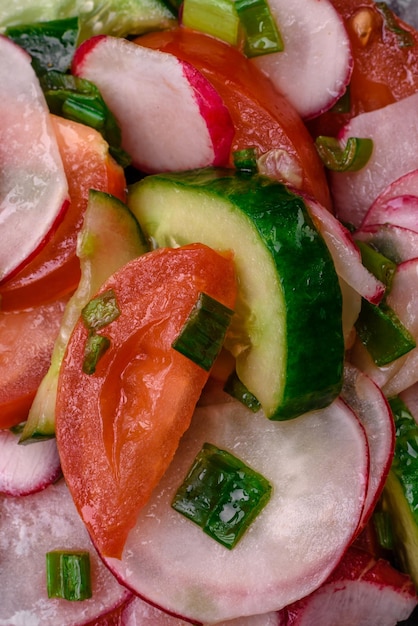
(30, 527)
(398, 211)
(318, 466)
(361, 591)
(315, 66)
(345, 254)
(170, 116)
(394, 131)
(372, 409)
(33, 185)
(397, 243)
(27, 469)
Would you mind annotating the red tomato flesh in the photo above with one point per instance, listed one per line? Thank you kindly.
(55, 271)
(26, 342)
(118, 429)
(262, 117)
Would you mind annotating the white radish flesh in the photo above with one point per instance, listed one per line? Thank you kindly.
(394, 131)
(315, 66)
(33, 185)
(361, 591)
(30, 527)
(170, 116)
(27, 469)
(318, 466)
(395, 242)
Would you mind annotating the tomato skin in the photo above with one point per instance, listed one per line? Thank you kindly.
(262, 117)
(117, 430)
(384, 70)
(26, 342)
(55, 271)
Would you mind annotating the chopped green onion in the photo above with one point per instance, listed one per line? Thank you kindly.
(343, 104)
(222, 495)
(405, 38)
(101, 311)
(68, 575)
(377, 263)
(235, 388)
(382, 524)
(79, 100)
(50, 44)
(213, 17)
(96, 346)
(245, 161)
(352, 158)
(203, 334)
(261, 35)
(382, 333)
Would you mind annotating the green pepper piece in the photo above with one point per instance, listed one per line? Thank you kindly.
(377, 263)
(405, 38)
(100, 311)
(382, 332)
(68, 575)
(261, 33)
(235, 388)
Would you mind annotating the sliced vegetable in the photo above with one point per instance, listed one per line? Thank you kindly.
(401, 490)
(261, 33)
(221, 494)
(199, 134)
(130, 414)
(203, 334)
(287, 280)
(51, 45)
(55, 271)
(317, 466)
(215, 17)
(383, 334)
(349, 158)
(68, 575)
(32, 179)
(109, 238)
(381, 266)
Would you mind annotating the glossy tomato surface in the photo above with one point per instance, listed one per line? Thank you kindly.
(118, 429)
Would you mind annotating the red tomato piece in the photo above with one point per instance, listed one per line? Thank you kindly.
(385, 69)
(262, 117)
(118, 429)
(55, 270)
(26, 342)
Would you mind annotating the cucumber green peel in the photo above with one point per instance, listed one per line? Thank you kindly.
(286, 333)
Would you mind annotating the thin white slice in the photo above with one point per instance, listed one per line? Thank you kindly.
(27, 469)
(171, 117)
(33, 185)
(30, 527)
(315, 66)
(394, 131)
(318, 466)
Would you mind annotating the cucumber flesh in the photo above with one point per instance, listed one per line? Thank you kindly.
(286, 334)
(109, 238)
(115, 17)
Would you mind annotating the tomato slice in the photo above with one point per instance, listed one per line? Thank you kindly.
(385, 69)
(26, 342)
(117, 429)
(262, 117)
(55, 271)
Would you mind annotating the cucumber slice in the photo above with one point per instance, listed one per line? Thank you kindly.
(286, 333)
(109, 238)
(114, 17)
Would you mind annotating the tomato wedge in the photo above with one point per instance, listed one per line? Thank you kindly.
(26, 341)
(385, 52)
(55, 271)
(117, 429)
(262, 117)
